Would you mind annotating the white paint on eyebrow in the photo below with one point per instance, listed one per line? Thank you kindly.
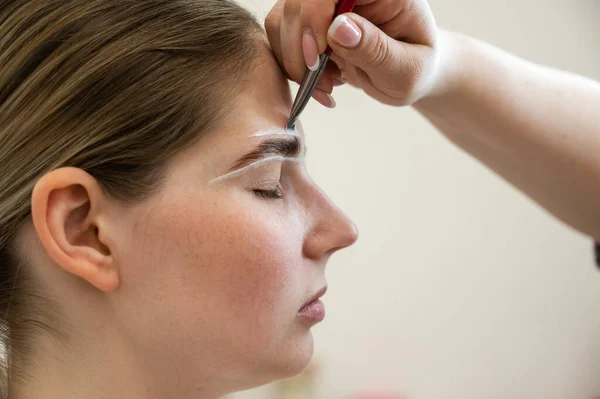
(276, 131)
(253, 165)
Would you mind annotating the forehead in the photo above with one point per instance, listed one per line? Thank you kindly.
(262, 100)
(265, 86)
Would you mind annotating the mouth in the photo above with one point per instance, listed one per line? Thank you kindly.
(314, 310)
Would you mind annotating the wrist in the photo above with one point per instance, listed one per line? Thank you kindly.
(449, 65)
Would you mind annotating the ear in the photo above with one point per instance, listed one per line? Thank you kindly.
(70, 214)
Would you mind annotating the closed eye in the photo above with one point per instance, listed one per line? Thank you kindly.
(269, 194)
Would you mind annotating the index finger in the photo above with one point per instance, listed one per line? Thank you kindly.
(317, 15)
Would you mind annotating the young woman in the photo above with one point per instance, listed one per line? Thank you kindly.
(159, 235)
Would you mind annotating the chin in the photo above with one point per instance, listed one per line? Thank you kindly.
(299, 358)
(290, 360)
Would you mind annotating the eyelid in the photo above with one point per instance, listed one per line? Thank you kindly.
(251, 166)
(265, 183)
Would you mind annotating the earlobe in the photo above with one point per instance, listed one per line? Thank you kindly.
(69, 211)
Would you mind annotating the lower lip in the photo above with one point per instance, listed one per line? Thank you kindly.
(314, 311)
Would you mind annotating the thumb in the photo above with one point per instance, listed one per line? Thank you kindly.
(358, 41)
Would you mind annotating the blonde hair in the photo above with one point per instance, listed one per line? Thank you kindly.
(114, 87)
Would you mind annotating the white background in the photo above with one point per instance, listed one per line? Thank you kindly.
(459, 286)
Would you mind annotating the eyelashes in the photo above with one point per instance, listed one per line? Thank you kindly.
(269, 194)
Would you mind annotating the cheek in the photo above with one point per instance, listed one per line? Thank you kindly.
(228, 273)
(250, 260)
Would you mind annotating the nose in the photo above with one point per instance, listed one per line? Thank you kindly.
(330, 229)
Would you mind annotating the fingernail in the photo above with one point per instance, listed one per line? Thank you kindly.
(332, 101)
(339, 81)
(310, 50)
(324, 98)
(344, 31)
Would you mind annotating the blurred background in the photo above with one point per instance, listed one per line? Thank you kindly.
(459, 286)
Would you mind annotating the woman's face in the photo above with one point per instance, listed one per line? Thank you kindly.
(220, 264)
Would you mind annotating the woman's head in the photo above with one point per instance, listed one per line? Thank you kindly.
(126, 241)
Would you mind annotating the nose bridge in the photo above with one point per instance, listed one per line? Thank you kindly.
(330, 228)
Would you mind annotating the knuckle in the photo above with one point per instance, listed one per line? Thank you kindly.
(379, 52)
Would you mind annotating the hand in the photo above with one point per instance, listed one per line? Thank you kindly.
(388, 48)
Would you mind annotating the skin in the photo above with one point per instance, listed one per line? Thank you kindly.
(196, 291)
(540, 132)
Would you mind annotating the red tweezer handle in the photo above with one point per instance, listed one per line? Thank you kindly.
(342, 7)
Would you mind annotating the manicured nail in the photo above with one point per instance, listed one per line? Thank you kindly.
(344, 31)
(332, 103)
(324, 98)
(310, 50)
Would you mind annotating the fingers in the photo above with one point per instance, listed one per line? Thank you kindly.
(409, 21)
(316, 15)
(291, 40)
(330, 79)
(273, 27)
(324, 98)
(351, 74)
(361, 43)
(297, 31)
(282, 30)
(380, 11)
(310, 49)
(391, 71)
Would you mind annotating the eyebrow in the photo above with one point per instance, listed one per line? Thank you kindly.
(284, 146)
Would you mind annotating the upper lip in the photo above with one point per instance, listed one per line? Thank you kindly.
(316, 296)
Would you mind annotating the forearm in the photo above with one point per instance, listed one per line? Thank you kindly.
(536, 127)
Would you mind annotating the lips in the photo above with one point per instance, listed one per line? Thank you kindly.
(315, 297)
(313, 311)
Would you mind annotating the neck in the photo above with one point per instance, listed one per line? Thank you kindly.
(98, 368)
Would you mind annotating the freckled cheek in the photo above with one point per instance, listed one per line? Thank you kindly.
(251, 261)
(234, 265)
